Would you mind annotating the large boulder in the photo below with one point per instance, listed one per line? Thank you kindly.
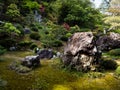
(81, 52)
(31, 61)
(108, 42)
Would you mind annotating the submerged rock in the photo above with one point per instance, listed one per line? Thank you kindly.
(81, 52)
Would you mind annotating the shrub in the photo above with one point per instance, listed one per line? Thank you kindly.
(35, 29)
(109, 64)
(33, 45)
(35, 36)
(115, 52)
(117, 71)
(46, 32)
(68, 35)
(2, 50)
(57, 43)
(64, 38)
(25, 44)
(20, 28)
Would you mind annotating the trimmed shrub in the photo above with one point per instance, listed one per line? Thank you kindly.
(32, 46)
(117, 71)
(57, 43)
(24, 44)
(115, 52)
(109, 64)
(35, 36)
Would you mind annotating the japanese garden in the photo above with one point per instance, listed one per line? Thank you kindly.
(59, 45)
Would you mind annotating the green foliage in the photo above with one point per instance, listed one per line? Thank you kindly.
(109, 64)
(64, 38)
(20, 28)
(2, 50)
(13, 12)
(116, 31)
(9, 34)
(31, 5)
(74, 29)
(32, 46)
(57, 43)
(9, 27)
(24, 44)
(117, 71)
(115, 52)
(35, 36)
(35, 29)
(78, 12)
(68, 35)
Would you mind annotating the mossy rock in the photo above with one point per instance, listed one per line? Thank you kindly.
(17, 67)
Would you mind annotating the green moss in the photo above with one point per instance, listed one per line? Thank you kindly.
(117, 71)
(50, 77)
(40, 78)
(105, 83)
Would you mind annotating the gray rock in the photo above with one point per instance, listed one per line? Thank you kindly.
(81, 52)
(31, 61)
(12, 48)
(109, 42)
(45, 54)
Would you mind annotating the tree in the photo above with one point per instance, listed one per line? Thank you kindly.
(77, 12)
(113, 19)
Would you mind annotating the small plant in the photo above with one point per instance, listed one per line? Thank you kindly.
(117, 71)
(35, 36)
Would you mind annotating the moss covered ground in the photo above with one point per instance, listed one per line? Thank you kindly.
(50, 77)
